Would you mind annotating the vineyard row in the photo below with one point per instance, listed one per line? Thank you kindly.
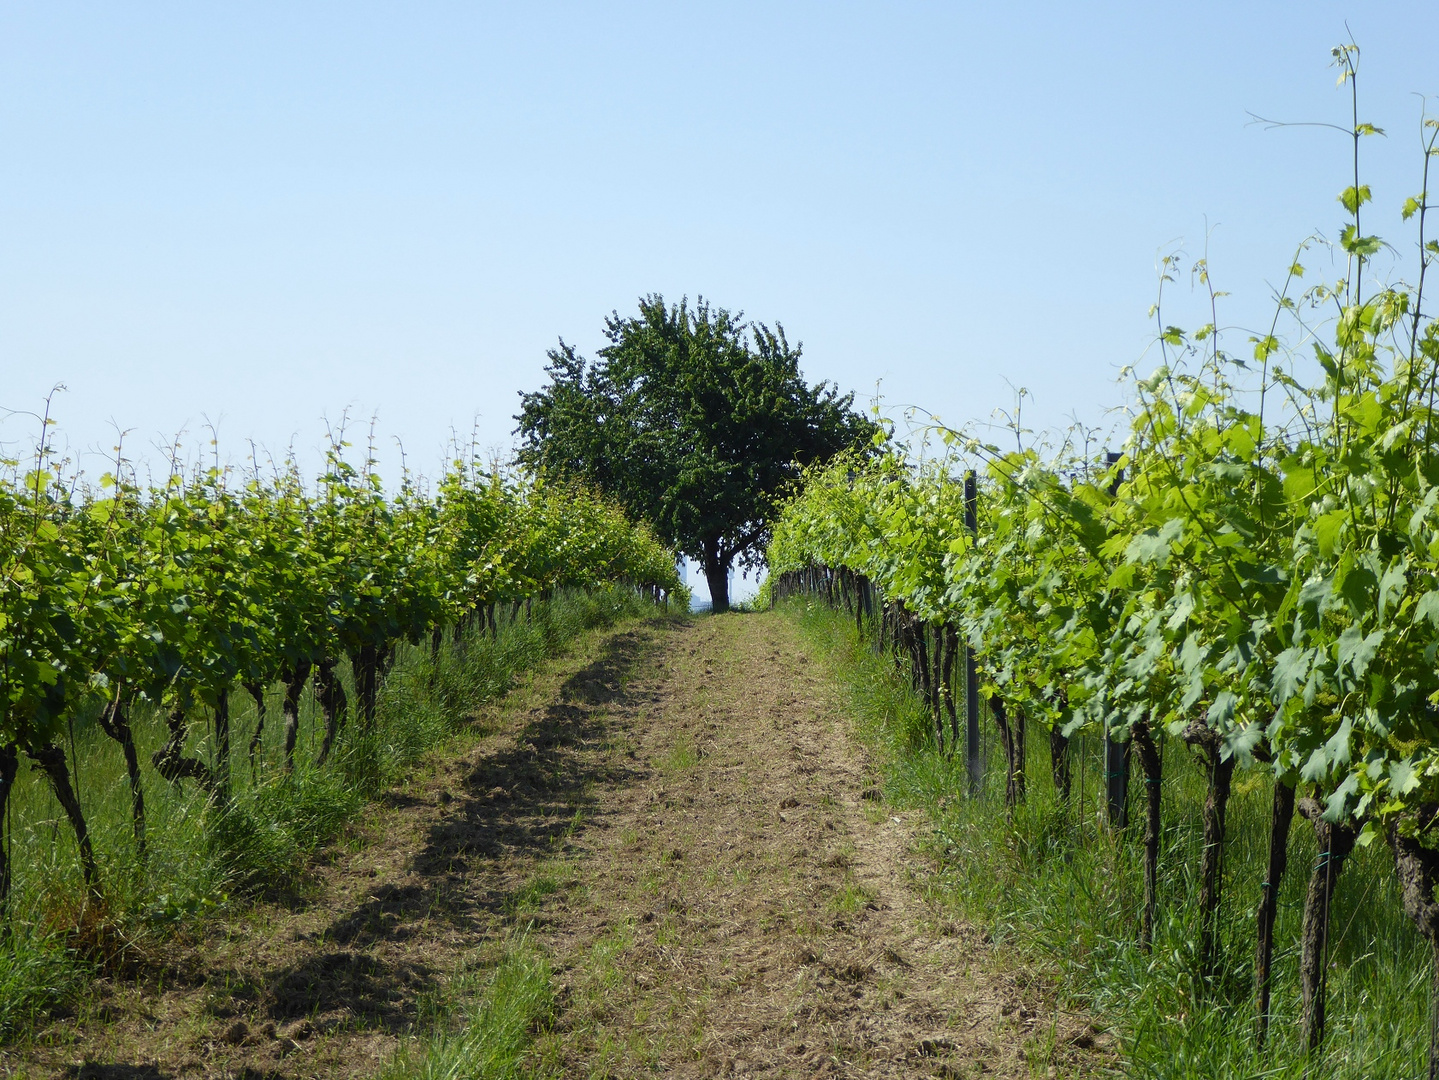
(174, 596)
(1255, 575)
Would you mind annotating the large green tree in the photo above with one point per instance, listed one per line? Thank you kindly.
(695, 420)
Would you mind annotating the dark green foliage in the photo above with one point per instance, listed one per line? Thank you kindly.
(695, 420)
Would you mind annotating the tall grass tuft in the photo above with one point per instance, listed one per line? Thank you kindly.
(203, 857)
(497, 1030)
(1058, 888)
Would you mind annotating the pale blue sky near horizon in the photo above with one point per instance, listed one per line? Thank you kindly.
(266, 215)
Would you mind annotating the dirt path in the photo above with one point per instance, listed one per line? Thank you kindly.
(677, 817)
(748, 906)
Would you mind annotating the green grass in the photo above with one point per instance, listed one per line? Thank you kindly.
(204, 859)
(850, 898)
(1057, 889)
(531, 897)
(497, 1025)
(680, 758)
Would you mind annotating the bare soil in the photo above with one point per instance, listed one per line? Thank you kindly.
(678, 816)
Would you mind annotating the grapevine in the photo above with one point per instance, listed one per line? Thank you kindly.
(1256, 576)
(177, 594)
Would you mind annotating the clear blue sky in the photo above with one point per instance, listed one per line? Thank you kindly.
(267, 213)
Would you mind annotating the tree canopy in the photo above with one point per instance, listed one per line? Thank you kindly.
(695, 420)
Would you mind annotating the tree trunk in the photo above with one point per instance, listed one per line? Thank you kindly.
(1151, 765)
(1417, 866)
(366, 667)
(256, 690)
(716, 577)
(115, 722)
(903, 651)
(906, 658)
(170, 760)
(928, 684)
(1011, 737)
(51, 760)
(333, 704)
(1335, 842)
(1280, 818)
(1020, 725)
(919, 660)
(937, 671)
(9, 766)
(222, 744)
(949, 703)
(294, 678)
(1059, 763)
(1116, 780)
(1211, 862)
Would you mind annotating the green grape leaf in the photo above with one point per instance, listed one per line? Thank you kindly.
(1428, 608)
(1290, 668)
(1334, 805)
(1356, 649)
(1403, 777)
(1153, 545)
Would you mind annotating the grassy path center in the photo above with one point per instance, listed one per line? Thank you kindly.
(744, 907)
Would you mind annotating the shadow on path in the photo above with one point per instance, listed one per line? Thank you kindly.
(511, 809)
